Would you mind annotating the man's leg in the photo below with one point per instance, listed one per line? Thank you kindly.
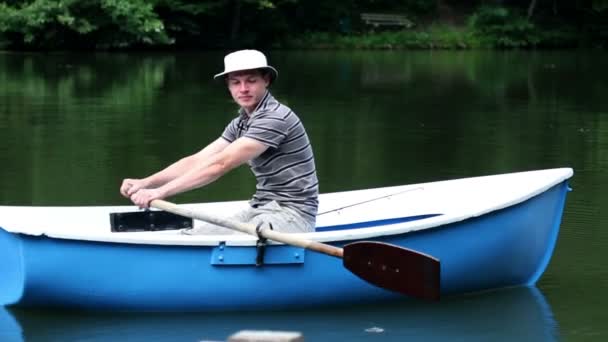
(282, 219)
(212, 229)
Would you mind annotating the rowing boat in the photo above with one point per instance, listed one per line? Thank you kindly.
(488, 232)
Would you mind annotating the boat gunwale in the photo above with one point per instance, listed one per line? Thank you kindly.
(170, 238)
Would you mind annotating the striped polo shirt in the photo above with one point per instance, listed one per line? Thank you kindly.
(286, 171)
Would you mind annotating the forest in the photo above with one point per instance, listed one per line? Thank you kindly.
(301, 24)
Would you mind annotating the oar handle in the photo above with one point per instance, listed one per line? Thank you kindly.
(285, 238)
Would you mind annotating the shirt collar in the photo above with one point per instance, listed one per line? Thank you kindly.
(260, 107)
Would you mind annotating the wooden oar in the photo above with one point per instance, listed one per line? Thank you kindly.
(387, 266)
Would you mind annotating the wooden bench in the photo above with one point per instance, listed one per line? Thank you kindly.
(381, 19)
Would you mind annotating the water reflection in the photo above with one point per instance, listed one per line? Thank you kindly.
(9, 328)
(505, 315)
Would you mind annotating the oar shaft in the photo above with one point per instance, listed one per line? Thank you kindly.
(289, 239)
(300, 242)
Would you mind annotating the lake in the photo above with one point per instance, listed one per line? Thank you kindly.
(73, 125)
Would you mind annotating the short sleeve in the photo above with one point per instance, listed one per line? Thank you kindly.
(230, 133)
(268, 129)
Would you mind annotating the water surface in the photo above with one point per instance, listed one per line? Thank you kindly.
(74, 125)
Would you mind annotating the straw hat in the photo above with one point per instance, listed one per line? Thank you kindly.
(246, 60)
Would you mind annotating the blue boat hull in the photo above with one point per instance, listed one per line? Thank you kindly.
(507, 247)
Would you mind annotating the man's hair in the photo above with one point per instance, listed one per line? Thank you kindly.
(266, 72)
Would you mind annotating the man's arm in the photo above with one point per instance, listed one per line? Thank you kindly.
(186, 164)
(130, 186)
(203, 172)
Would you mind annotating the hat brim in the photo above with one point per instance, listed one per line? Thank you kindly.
(274, 74)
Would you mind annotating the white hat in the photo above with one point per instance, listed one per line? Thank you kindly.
(246, 60)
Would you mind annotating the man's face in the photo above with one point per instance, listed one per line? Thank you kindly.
(247, 88)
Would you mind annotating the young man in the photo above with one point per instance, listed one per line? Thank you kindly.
(268, 136)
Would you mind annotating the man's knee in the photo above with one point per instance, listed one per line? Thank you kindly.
(282, 222)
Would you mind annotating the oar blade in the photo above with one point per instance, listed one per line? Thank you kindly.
(394, 268)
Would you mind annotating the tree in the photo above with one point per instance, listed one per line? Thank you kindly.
(106, 23)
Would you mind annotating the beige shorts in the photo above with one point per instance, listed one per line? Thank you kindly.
(282, 219)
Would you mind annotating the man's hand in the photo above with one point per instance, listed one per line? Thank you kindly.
(131, 186)
(143, 197)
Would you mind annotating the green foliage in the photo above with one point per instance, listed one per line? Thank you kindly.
(435, 37)
(503, 28)
(565, 36)
(448, 37)
(106, 23)
(137, 19)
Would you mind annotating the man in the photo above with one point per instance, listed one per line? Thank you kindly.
(268, 136)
